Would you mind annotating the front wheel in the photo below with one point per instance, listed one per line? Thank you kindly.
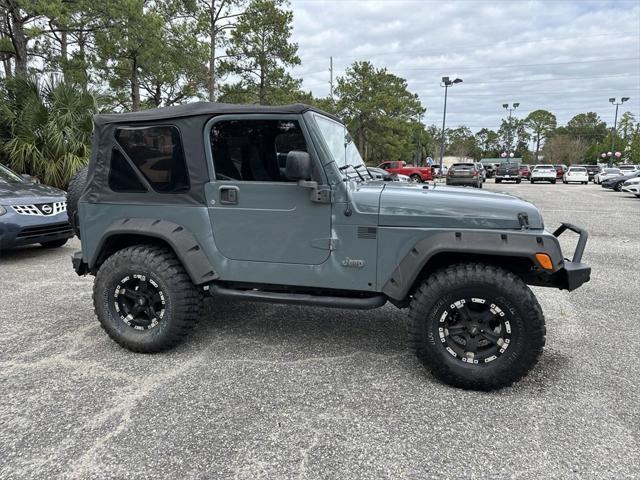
(476, 326)
(145, 300)
(553, 182)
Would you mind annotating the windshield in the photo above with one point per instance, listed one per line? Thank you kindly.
(7, 176)
(341, 145)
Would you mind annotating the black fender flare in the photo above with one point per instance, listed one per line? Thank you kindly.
(522, 244)
(181, 241)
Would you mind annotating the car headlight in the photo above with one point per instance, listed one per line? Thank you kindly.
(2, 210)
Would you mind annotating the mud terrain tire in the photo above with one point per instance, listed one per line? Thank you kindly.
(522, 325)
(161, 278)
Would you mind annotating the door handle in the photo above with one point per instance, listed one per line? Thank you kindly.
(229, 195)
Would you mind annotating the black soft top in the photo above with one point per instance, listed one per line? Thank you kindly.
(190, 119)
(203, 108)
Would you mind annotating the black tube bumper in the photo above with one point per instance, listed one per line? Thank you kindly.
(574, 273)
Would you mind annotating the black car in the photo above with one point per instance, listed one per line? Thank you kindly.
(615, 183)
(31, 213)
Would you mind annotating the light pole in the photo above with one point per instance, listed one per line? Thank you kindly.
(446, 83)
(615, 122)
(509, 109)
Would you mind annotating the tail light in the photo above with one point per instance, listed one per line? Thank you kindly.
(475, 173)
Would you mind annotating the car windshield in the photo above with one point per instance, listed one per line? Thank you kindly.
(341, 145)
(611, 170)
(7, 176)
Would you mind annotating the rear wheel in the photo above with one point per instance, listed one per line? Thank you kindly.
(145, 300)
(518, 181)
(476, 326)
(415, 178)
(498, 180)
(553, 181)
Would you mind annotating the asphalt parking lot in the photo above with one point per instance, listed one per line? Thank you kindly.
(279, 392)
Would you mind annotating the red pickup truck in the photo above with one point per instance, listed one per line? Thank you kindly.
(416, 174)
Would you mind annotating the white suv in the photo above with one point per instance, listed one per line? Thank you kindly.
(543, 173)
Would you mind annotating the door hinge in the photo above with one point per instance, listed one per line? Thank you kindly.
(319, 193)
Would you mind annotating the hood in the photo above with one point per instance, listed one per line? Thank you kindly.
(418, 205)
(19, 193)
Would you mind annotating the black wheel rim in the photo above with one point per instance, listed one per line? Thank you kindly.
(475, 330)
(139, 302)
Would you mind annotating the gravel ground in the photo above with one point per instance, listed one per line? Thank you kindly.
(262, 391)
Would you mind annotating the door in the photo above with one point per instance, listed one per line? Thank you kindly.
(256, 213)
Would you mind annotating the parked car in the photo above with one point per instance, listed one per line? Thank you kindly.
(466, 174)
(31, 213)
(525, 172)
(508, 172)
(592, 170)
(632, 186)
(606, 173)
(210, 221)
(576, 174)
(380, 174)
(627, 168)
(560, 169)
(439, 171)
(543, 173)
(482, 170)
(416, 174)
(615, 183)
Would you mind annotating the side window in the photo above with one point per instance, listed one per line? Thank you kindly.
(122, 178)
(385, 165)
(254, 150)
(157, 152)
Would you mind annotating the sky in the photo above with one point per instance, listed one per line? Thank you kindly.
(567, 57)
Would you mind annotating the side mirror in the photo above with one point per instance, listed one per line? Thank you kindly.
(298, 165)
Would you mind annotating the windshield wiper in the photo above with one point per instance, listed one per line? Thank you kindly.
(344, 167)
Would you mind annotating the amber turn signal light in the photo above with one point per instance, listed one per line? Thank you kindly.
(544, 260)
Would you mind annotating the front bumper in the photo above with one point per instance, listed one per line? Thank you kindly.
(633, 188)
(573, 273)
(18, 230)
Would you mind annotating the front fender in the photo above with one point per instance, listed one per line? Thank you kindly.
(521, 244)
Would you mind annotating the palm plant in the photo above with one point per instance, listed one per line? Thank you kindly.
(45, 127)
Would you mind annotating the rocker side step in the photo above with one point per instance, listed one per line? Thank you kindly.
(355, 303)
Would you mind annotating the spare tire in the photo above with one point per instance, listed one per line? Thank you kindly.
(76, 187)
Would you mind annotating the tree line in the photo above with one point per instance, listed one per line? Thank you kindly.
(61, 61)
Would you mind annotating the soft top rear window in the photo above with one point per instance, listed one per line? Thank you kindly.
(156, 151)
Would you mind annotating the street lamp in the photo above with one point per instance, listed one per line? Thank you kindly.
(509, 109)
(446, 83)
(615, 122)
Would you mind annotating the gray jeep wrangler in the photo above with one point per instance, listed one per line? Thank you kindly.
(274, 204)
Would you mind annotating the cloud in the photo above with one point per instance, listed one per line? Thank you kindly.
(566, 57)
